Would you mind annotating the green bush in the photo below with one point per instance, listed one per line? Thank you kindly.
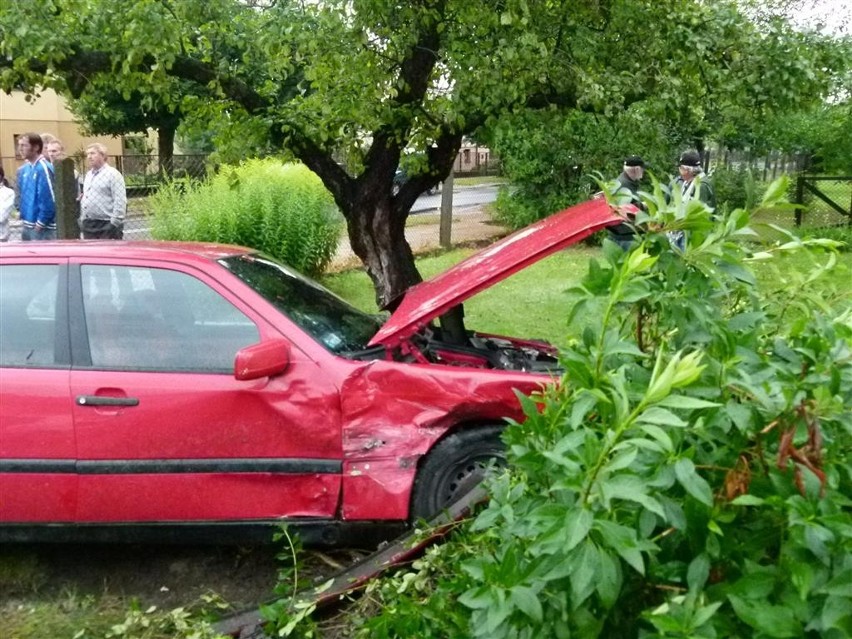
(280, 209)
(736, 188)
(690, 475)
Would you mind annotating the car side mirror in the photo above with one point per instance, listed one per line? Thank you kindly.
(268, 358)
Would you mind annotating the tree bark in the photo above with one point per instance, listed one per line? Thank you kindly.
(377, 236)
(166, 148)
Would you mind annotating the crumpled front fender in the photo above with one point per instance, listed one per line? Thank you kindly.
(393, 413)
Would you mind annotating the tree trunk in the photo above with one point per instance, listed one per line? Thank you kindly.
(377, 237)
(166, 149)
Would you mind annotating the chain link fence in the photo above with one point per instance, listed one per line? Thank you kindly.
(826, 200)
(466, 203)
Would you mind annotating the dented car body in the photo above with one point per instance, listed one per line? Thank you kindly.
(161, 391)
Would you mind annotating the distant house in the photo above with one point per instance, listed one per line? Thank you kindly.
(473, 158)
(45, 114)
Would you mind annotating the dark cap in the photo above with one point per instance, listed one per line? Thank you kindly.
(689, 158)
(634, 160)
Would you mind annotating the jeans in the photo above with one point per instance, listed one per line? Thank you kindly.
(37, 234)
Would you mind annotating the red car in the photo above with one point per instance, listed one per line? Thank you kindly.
(153, 391)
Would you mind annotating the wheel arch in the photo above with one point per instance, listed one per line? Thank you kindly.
(490, 428)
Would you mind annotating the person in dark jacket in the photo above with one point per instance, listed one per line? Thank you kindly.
(625, 234)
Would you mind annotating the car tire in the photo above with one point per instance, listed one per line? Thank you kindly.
(453, 467)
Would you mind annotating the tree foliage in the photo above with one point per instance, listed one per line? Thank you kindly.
(104, 110)
(740, 84)
(349, 86)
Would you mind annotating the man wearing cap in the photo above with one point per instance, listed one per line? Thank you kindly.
(689, 167)
(624, 234)
(692, 183)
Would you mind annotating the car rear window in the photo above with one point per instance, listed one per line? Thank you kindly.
(28, 314)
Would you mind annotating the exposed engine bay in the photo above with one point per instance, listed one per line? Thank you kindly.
(494, 351)
(449, 343)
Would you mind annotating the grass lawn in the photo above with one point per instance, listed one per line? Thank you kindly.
(534, 302)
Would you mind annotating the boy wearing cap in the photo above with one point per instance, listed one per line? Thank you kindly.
(624, 234)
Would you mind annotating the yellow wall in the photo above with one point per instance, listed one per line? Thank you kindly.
(46, 114)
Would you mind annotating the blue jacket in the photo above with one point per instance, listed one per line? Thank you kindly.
(35, 190)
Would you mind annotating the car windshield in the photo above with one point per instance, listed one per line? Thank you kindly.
(334, 323)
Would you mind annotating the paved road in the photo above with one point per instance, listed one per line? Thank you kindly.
(463, 196)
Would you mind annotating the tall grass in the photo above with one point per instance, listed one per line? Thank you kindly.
(281, 209)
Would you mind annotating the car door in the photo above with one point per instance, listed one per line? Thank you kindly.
(37, 453)
(165, 432)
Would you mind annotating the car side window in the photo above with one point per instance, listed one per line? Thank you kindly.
(28, 315)
(140, 318)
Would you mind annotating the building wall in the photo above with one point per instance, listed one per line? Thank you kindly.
(46, 114)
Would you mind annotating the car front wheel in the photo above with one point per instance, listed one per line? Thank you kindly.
(453, 467)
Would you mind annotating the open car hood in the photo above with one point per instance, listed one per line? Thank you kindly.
(425, 301)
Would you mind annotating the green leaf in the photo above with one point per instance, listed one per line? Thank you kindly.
(478, 598)
(608, 582)
(623, 541)
(834, 610)
(496, 614)
(705, 613)
(630, 488)
(774, 621)
(694, 484)
(578, 523)
(818, 539)
(775, 192)
(526, 600)
(697, 573)
(840, 584)
(802, 578)
(748, 500)
(661, 417)
(660, 435)
(755, 585)
(686, 403)
(622, 460)
(585, 562)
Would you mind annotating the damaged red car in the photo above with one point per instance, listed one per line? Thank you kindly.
(165, 391)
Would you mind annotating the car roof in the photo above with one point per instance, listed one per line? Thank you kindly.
(122, 249)
(425, 301)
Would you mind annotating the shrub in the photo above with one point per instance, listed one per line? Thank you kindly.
(689, 477)
(280, 209)
(736, 188)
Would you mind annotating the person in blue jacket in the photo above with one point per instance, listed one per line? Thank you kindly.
(36, 200)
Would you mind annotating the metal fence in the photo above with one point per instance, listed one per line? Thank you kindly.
(466, 218)
(826, 200)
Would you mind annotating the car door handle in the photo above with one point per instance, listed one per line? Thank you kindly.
(99, 400)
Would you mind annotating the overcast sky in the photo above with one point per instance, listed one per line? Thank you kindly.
(835, 16)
